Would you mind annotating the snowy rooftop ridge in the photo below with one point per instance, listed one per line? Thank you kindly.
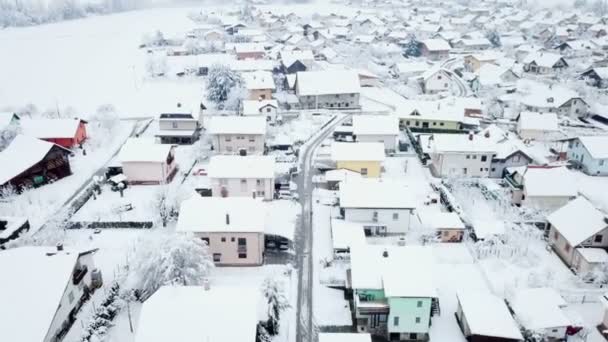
(327, 82)
(221, 214)
(224, 166)
(237, 125)
(578, 220)
(488, 315)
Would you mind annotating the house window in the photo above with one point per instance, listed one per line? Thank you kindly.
(481, 169)
(601, 163)
(468, 156)
(464, 171)
(484, 158)
(493, 169)
(217, 257)
(228, 139)
(260, 193)
(232, 239)
(206, 241)
(352, 95)
(474, 156)
(242, 255)
(441, 124)
(395, 216)
(567, 248)
(71, 297)
(438, 77)
(417, 320)
(417, 123)
(251, 139)
(434, 124)
(598, 239)
(364, 171)
(267, 110)
(413, 336)
(555, 235)
(228, 148)
(396, 321)
(258, 182)
(419, 304)
(174, 124)
(223, 239)
(407, 123)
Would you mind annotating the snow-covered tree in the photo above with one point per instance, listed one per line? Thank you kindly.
(156, 65)
(166, 203)
(412, 47)
(246, 13)
(169, 258)
(221, 82)
(262, 334)
(277, 302)
(494, 38)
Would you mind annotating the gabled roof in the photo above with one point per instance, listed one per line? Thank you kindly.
(375, 125)
(23, 153)
(233, 124)
(538, 121)
(461, 143)
(144, 150)
(193, 314)
(544, 59)
(578, 220)
(549, 182)
(241, 166)
(327, 82)
(34, 280)
(373, 193)
(259, 80)
(50, 128)
(597, 146)
(361, 151)
(436, 44)
(221, 214)
(254, 107)
(488, 315)
(540, 308)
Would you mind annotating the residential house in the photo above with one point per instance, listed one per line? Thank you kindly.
(144, 162)
(537, 126)
(490, 76)
(242, 135)
(68, 133)
(408, 70)
(385, 302)
(597, 77)
(459, 155)
(249, 51)
(29, 162)
(199, 313)
(45, 287)
(542, 310)
(435, 80)
(265, 108)
(377, 128)
(557, 101)
(260, 85)
(333, 178)
(11, 227)
(544, 63)
(541, 188)
(232, 227)
(485, 317)
(446, 226)
(178, 128)
(383, 206)
(578, 233)
(335, 89)
(297, 61)
(472, 44)
(448, 114)
(435, 49)
(249, 176)
(345, 235)
(510, 151)
(475, 61)
(590, 154)
(363, 157)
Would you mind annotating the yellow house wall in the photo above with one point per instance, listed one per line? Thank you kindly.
(373, 167)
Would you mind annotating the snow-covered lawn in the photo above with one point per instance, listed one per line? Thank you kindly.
(41, 203)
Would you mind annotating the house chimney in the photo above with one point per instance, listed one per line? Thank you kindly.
(550, 99)
(385, 254)
(471, 136)
(487, 135)
(59, 247)
(227, 219)
(179, 105)
(206, 285)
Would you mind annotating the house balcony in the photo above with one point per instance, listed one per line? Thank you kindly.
(79, 274)
(368, 307)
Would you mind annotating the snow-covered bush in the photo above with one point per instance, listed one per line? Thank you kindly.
(156, 64)
(274, 293)
(97, 328)
(224, 84)
(168, 258)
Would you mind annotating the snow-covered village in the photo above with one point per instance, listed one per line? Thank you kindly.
(303, 171)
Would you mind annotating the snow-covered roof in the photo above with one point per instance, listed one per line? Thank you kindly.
(543, 59)
(375, 125)
(248, 47)
(345, 234)
(597, 146)
(50, 128)
(345, 337)
(144, 150)
(488, 315)
(375, 193)
(193, 314)
(490, 74)
(33, 283)
(327, 82)
(22, 153)
(259, 80)
(538, 121)
(436, 44)
(578, 220)
(440, 220)
(461, 143)
(548, 182)
(251, 64)
(360, 151)
(388, 268)
(290, 57)
(237, 124)
(241, 167)
(254, 107)
(221, 214)
(485, 229)
(540, 308)
(412, 67)
(593, 255)
(341, 175)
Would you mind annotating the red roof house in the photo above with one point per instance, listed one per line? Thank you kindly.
(66, 133)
